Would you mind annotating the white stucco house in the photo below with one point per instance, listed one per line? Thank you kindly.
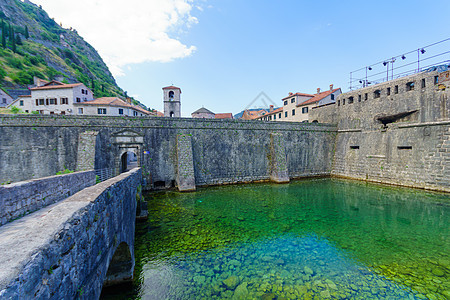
(57, 98)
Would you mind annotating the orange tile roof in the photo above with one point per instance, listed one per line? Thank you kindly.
(171, 87)
(113, 101)
(160, 114)
(280, 109)
(318, 97)
(298, 94)
(55, 85)
(224, 116)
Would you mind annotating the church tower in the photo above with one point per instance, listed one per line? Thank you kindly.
(172, 104)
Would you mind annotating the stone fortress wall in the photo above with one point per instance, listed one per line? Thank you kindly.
(397, 132)
(223, 151)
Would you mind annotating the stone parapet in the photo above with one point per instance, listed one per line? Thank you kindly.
(21, 198)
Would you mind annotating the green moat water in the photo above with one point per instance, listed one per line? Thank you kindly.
(310, 239)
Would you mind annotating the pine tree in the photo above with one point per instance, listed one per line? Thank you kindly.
(3, 39)
(18, 40)
(13, 41)
(27, 34)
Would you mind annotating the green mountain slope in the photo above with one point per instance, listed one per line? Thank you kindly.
(33, 44)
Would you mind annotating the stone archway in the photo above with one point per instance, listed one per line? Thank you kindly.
(127, 142)
(121, 266)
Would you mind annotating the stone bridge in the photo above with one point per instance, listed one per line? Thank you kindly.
(71, 248)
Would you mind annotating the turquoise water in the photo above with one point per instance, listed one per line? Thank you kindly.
(310, 239)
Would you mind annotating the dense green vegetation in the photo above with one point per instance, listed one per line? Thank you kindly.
(33, 44)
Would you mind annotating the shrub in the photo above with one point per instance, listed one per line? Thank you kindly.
(15, 110)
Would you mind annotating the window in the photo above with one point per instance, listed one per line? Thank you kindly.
(293, 100)
(270, 118)
(52, 112)
(285, 114)
(82, 91)
(388, 91)
(4, 100)
(80, 111)
(26, 110)
(436, 79)
(410, 86)
(332, 96)
(279, 116)
(78, 99)
(101, 111)
(285, 102)
(293, 112)
(120, 111)
(305, 110)
(171, 94)
(52, 101)
(46, 102)
(343, 101)
(275, 117)
(64, 101)
(423, 83)
(21, 103)
(359, 98)
(366, 96)
(63, 113)
(135, 113)
(41, 101)
(396, 89)
(339, 102)
(350, 100)
(377, 94)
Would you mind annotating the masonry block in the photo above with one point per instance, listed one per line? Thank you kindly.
(185, 164)
(277, 159)
(86, 150)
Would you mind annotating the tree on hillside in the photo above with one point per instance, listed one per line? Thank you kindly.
(27, 34)
(3, 39)
(18, 39)
(13, 41)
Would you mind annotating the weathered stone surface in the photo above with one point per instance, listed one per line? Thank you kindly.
(185, 164)
(21, 198)
(231, 282)
(397, 138)
(224, 151)
(66, 249)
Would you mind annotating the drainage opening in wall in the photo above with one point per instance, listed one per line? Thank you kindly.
(354, 147)
(404, 147)
(159, 184)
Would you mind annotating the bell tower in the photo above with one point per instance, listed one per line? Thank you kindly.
(172, 103)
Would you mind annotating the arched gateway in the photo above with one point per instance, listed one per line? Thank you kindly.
(128, 147)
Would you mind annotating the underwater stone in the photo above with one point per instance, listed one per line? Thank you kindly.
(438, 272)
(268, 296)
(241, 291)
(308, 270)
(231, 282)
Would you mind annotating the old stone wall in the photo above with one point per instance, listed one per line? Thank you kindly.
(67, 250)
(396, 132)
(224, 151)
(21, 198)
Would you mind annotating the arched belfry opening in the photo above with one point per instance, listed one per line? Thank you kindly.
(171, 94)
(128, 146)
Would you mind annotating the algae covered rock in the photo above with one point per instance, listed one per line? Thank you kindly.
(231, 282)
(241, 291)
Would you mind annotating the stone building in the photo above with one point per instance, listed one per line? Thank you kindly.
(57, 98)
(5, 98)
(203, 113)
(111, 106)
(296, 107)
(172, 101)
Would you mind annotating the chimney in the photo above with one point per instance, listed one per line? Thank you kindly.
(318, 90)
(331, 87)
(271, 108)
(290, 94)
(128, 100)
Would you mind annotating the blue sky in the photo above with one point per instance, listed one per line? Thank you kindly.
(235, 49)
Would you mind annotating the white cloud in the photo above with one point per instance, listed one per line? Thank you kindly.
(127, 32)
